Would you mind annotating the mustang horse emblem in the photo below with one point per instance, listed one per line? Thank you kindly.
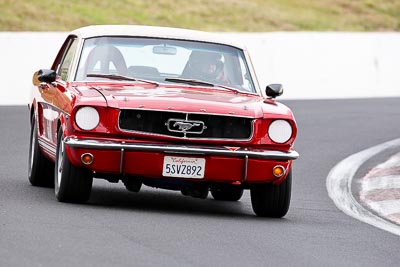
(185, 126)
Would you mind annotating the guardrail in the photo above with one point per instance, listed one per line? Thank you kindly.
(310, 65)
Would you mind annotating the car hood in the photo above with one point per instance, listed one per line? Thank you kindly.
(188, 99)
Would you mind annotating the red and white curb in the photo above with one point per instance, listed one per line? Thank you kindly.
(339, 186)
(380, 189)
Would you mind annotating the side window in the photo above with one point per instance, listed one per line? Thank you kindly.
(63, 70)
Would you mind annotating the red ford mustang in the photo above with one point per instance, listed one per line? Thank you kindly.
(168, 108)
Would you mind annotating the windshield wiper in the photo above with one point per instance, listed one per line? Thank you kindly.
(200, 83)
(236, 91)
(119, 78)
(190, 82)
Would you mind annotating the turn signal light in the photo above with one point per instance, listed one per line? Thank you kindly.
(87, 158)
(278, 171)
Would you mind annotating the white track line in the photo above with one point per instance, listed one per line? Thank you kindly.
(338, 184)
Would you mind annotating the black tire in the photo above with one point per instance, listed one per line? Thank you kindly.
(227, 194)
(40, 169)
(71, 184)
(270, 200)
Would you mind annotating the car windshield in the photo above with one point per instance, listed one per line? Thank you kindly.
(164, 61)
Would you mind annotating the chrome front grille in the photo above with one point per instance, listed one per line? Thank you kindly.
(186, 125)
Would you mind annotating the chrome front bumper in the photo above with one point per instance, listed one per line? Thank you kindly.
(177, 149)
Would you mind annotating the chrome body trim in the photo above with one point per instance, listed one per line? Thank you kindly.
(279, 166)
(121, 160)
(88, 163)
(47, 147)
(185, 126)
(192, 112)
(121, 165)
(174, 149)
(189, 138)
(246, 167)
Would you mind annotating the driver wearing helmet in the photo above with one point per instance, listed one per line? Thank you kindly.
(205, 66)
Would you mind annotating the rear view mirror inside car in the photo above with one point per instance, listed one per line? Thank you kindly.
(164, 50)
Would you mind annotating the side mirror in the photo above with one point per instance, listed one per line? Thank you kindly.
(45, 76)
(274, 90)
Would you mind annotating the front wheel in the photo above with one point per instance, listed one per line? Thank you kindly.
(41, 170)
(270, 200)
(71, 184)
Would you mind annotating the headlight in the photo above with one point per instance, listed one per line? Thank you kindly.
(280, 131)
(87, 118)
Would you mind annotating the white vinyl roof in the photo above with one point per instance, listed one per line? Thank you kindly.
(152, 31)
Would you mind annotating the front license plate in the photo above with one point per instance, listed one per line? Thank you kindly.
(183, 167)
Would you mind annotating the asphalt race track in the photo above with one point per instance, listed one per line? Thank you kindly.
(164, 228)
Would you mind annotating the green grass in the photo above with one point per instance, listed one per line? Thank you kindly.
(209, 15)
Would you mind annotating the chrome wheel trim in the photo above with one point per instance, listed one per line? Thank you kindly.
(32, 150)
(59, 166)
